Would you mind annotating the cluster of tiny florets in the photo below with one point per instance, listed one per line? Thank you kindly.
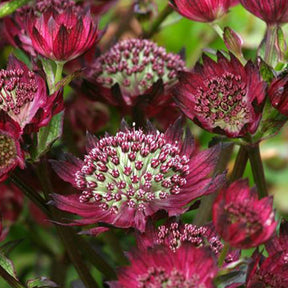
(131, 167)
(159, 277)
(136, 64)
(16, 89)
(7, 150)
(244, 213)
(174, 235)
(222, 101)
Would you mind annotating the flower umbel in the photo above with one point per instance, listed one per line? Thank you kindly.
(223, 97)
(136, 66)
(127, 177)
(202, 10)
(24, 98)
(188, 267)
(11, 154)
(272, 12)
(63, 31)
(241, 219)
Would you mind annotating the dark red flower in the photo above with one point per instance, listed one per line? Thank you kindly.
(202, 10)
(23, 96)
(160, 267)
(278, 93)
(63, 30)
(222, 97)
(99, 7)
(11, 154)
(84, 115)
(278, 243)
(173, 235)
(11, 202)
(127, 177)
(135, 73)
(241, 219)
(272, 12)
(271, 272)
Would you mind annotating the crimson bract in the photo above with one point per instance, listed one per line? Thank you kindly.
(160, 267)
(241, 219)
(223, 97)
(127, 177)
(202, 10)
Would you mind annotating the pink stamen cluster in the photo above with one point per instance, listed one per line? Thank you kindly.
(7, 150)
(131, 167)
(15, 90)
(136, 64)
(237, 212)
(58, 5)
(176, 234)
(158, 277)
(222, 101)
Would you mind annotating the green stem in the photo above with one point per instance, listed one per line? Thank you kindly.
(58, 73)
(223, 255)
(13, 283)
(217, 29)
(257, 169)
(157, 22)
(240, 164)
(270, 38)
(65, 233)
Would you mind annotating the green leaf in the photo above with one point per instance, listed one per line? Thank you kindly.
(9, 246)
(7, 264)
(47, 136)
(41, 282)
(9, 7)
(266, 72)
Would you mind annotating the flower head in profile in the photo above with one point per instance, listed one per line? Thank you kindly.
(241, 219)
(11, 154)
(24, 98)
(136, 72)
(202, 10)
(222, 97)
(160, 267)
(269, 272)
(61, 30)
(272, 12)
(127, 177)
(278, 94)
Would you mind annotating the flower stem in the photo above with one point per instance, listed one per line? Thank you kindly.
(9, 7)
(257, 170)
(157, 22)
(240, 164)
(270, 38)
(217, 29)
(223, 255)
(13, 283)
(58, 73)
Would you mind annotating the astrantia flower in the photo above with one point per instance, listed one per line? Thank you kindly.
(278, 94)
(11, 154)
(173, 235)
(271, 272)
(202, 10)
(222, 97)
(136, 72)
(278, 243)
(272, 12)
(127, 177)
(24, 98)
(188, 267)
(241, 219)
(63, 31)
